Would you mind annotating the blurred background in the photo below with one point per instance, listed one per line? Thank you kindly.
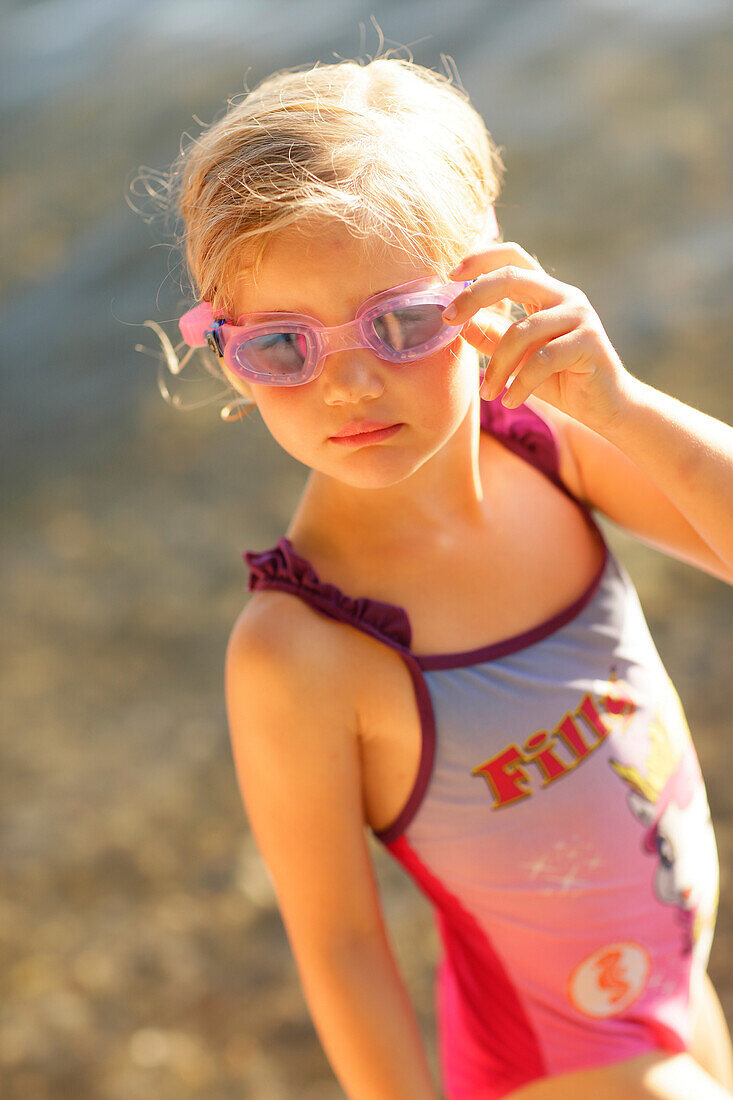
(142, 952)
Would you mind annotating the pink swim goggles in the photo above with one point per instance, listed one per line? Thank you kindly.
(399, 325)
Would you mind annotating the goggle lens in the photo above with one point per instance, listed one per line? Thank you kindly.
(410, 328)
(278, 354)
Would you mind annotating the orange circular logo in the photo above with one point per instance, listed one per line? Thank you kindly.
(609, 980)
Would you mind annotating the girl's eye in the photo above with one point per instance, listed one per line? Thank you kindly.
(410, 327)
(277, 352)
(276, 340)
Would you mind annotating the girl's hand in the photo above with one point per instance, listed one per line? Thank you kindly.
(560, 351)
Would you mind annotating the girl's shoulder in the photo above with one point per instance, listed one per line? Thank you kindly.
(276, 630)
(284, 644)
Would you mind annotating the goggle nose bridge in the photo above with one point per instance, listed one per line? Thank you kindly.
(344, 337)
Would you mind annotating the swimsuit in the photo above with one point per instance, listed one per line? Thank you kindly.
(558, 823)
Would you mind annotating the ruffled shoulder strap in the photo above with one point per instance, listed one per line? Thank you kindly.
(282, 568)
(527, 434)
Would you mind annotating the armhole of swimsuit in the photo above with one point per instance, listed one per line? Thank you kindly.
(423, 702)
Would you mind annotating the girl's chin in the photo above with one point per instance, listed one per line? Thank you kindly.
(371, 477)
(378, 470)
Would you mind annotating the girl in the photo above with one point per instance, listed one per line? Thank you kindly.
(443, 648)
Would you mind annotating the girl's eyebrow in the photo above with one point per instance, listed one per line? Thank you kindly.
(299, 310)
(308, 312)
(293, 309)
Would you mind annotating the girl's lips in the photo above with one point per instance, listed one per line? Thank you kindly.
(354, 427)
(376, 435)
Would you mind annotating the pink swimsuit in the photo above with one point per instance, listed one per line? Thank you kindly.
(558, 823)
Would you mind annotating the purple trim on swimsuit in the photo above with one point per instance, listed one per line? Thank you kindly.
(283, 568)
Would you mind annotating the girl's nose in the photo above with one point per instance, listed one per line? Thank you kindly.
(351, 376)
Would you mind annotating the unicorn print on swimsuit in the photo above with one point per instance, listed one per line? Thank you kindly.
(668, 798)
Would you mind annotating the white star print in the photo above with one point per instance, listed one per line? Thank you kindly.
(565, 866)
(537, 866)
(567, 880)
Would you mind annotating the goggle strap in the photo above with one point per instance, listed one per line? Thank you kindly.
(197, 323)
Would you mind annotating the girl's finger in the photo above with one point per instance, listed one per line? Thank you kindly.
(494, 256)
(485, 331)
(559, 355)
(535, 289)
(524, 337)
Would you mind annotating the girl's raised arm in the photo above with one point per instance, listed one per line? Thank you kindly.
(294, 732)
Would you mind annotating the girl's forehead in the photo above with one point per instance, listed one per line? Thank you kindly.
(327, 245)
(306, 268)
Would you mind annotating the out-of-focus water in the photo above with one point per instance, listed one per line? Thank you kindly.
(144, 954)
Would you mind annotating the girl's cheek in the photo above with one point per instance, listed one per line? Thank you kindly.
(447, 382)
(287, 419)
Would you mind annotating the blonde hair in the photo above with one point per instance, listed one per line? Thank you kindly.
(392, 150)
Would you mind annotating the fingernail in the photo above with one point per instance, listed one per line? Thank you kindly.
(450, 312)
